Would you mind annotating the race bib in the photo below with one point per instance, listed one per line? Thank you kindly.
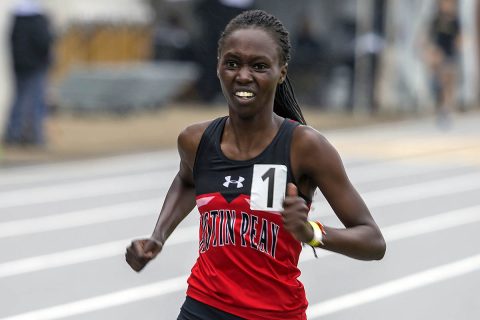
(269, 182)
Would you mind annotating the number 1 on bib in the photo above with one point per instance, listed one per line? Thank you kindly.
(269, 182)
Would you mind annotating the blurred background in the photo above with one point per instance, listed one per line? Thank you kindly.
(105, 65)
(93, 94)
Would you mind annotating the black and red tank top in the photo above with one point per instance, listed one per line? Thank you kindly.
(247, 263)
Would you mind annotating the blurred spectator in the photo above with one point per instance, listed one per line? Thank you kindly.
(342, 56)
(30, 48)
(214, 16)
(172, 40)
(308, 70)
(445, 37)
(369, 46)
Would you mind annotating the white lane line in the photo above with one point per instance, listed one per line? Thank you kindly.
(438, 222)
(64, 258)
(127, 210)
(374, 293)
(66, 190)
(423, 190)
(157, 163)
(75, 169)
(85, 254)
(418, 227)
(81, 218)
(105, 301)
(85, 189)
(393, 169)
(385, 290)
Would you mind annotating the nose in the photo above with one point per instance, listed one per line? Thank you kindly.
(244, 75)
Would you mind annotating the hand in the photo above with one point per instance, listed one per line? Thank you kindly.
(141, 251)
(295, 215)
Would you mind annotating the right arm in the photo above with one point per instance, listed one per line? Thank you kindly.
(179, 201)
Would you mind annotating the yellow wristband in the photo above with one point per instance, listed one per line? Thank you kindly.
(317, 235)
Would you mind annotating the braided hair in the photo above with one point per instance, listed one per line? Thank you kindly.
(285, 103)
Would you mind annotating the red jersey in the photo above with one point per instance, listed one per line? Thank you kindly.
(247, 263)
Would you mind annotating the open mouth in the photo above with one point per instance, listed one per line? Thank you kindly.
(244, 95)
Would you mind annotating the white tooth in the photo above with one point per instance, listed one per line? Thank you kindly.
(244, 94)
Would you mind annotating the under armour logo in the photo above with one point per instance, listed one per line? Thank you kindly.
(228, 181)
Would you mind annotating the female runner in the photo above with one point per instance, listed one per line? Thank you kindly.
(252, 175)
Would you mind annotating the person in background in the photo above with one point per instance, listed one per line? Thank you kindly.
(252, 175)
(213, 16)
(310, 68)
(31, 41)
(341, 45)
(445, 38)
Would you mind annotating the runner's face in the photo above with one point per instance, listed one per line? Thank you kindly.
(249, 69)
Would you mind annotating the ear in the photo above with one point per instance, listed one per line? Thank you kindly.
(283, 73)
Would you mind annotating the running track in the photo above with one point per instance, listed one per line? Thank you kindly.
(64, 227)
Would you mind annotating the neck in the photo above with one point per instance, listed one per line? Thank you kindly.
(246, 138)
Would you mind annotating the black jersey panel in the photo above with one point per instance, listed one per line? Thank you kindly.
(214, 172)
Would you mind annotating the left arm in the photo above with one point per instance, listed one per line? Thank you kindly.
(316, 163)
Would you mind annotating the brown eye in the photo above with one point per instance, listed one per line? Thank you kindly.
(231, 64)
(260, 66)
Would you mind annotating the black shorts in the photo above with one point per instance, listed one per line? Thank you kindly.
(196, 310)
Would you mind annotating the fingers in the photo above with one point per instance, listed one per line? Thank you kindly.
(295, 212)
(135, 257)
(292, 197)
(292, 190)
(152, 248)
(140, 252)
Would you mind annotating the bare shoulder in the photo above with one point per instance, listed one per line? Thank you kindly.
(307, 139)
(189, 139)
(311, 150)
